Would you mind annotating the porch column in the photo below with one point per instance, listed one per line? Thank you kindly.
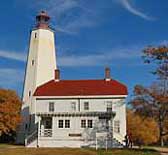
(38, 130)
(53, 126)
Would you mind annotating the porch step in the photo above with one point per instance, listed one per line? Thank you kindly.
(31, 140)
(33, 144)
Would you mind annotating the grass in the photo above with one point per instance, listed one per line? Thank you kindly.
(129, 152)
(18, 150)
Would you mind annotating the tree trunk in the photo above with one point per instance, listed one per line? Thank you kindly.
(161, 130)
(161, 141)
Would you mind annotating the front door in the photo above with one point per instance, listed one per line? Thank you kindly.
(46, 126)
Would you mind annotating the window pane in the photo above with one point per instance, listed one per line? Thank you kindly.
(117, 126)
(29, 93)
(60, 123)
(73, 106)
(86, 105)
(32, 62)
(83, 123)
(90, 123)
(67, 123)
(51, 106)
(109, 106)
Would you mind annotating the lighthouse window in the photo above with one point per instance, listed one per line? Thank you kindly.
(32, 62)
(26, 126)
(29, 93)
(35, 35)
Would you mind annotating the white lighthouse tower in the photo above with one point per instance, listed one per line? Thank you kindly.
(41, 64)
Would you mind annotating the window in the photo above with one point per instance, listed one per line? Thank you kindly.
(29, 93)
(48, 123)
(67, 123)
(83, 123)
(117, 126)
(60, 124)
(51, 106)
(86, 105)
(32, 62)
(109, 106)
(26, 126)
(35, 35)
(73, 106)
(90, 123)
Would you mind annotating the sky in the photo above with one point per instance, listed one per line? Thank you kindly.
(89, 35)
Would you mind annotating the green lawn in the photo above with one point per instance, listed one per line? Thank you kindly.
(15, 150)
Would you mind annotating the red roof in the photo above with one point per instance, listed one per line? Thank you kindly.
(81, 88)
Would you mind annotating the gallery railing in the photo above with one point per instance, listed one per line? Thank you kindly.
(45, 133)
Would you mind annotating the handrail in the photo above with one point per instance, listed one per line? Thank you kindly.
(30, 137)
(118, 137)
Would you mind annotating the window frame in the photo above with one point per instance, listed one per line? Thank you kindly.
(90, 123)
(67, 123)
(32, 63)
(86, 105)
(73, 106)
(35, 35)
(29, 93)
(51, 108)
(60, 123)
(117, 126)
(83, 123)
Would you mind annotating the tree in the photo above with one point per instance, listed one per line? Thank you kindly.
(150, 102)
(141, 131)
(10, 105)
(153, 101)
(159, 57)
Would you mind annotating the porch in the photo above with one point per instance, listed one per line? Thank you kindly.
(70, 129)
(48, 123)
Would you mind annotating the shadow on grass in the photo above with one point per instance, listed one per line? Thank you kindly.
(127, 152)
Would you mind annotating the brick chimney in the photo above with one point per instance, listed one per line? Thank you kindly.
(57, 75)
(107, 74)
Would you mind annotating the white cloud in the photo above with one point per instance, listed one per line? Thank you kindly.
(103, 58)
(69, 16)
(10, 77)
(126, 4)
(108, 56)
(13, 55)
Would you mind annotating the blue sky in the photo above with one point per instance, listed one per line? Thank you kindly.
(90, 34)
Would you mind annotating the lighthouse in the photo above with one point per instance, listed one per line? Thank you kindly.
(67, 113)
(41, 64)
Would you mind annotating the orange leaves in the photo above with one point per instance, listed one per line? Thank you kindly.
(10, 106)
(142, 131)
(156, 53)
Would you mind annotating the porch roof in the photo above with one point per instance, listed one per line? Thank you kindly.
(77, 114)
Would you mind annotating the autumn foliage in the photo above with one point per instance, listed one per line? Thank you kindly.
(142, 131)
(150, 104)
(10, 105)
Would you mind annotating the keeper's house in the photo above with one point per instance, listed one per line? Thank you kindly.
(67, 113)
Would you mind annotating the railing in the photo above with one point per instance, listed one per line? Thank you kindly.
(119, 138)
(30, 138)
(91, 113)
(45, 133)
